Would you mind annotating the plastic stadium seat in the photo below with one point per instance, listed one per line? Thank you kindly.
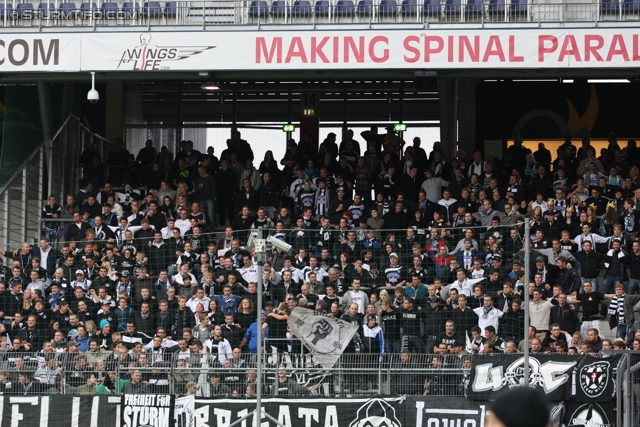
(258, 8)
(322, 8)
(452, 6)
(130, 9)
(278, 8)
(475, 7)
(518, 6)
(151, 9)
(25, 10)
(171, 9)
(45, 8)
(345, 8)
(409, 7)
(431, 7)
(388, 7)
(67, 11)
(2, 11)
(609, 6)
(301, 8)
(109, 10)
(365, 7)
(496, 6)
(631, 5)
(86, 10)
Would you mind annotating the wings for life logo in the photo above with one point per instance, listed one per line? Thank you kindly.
(376, 413)
(148, 56)
(594, 378)
(589, 415)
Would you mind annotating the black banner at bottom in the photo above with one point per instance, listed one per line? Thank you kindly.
(305, 412)
(425, 411)
(108, 411)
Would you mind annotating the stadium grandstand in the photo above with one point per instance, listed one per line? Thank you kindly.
(338, 212)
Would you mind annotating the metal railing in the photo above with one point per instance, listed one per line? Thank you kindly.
(364, 374)
(259, 12)
(629, 383)
(445, 375)
(51, 169)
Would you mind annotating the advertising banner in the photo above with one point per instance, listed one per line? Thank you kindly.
(322, 50)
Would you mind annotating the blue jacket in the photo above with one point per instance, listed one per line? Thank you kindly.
(252, 336)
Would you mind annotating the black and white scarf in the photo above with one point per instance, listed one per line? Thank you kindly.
(616, 308)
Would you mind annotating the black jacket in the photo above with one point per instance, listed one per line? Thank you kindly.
(570, 280)
(269, 194)
(589, 263)
(227, 182)
(634, 266)
(182, 319)
(73, 232)
(566, 318)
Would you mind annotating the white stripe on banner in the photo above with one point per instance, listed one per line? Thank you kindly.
(451, 411)
(44, 411)
(75, 412)
(1, 408)
(118, 416)
(34, 400)
(95, 406)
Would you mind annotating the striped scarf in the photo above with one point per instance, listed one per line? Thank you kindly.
(616, 308)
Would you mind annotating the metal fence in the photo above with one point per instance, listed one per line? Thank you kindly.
(49, 170)
(169, 372)
(258, 12)
(283, 374)
(629, 383)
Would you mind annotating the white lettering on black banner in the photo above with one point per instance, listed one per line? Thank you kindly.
(154, 410)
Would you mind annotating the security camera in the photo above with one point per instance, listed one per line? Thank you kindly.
(279, 244)
(93, 96)
(252, 236)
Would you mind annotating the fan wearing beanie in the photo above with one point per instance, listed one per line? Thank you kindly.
(520, 407)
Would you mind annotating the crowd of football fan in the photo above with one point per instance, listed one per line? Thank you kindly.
(425, 255)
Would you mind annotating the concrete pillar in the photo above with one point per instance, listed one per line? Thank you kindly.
(46, 119)
(448, 96)
(114, 120)
(467, 115)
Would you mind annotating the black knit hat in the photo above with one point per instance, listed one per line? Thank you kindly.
(522, 407)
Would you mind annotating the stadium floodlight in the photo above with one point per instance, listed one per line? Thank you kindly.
(93, 96)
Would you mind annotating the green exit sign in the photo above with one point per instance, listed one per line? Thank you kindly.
(399, 127)
(288, 128)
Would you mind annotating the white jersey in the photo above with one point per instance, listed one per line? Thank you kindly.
(249, 274)
(489, 318)
(320, 273)
(296, 274)
(84, 284)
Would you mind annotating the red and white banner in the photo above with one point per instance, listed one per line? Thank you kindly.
(317, 49)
